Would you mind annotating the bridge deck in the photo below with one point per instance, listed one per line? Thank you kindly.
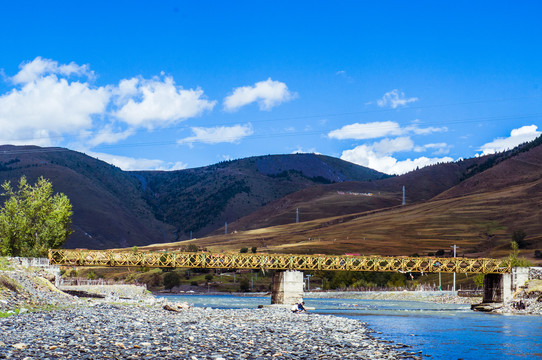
(276, 261)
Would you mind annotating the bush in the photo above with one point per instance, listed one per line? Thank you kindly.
(92, 276)
(519, 237)
(243, 250)
(33, 219)
(209, 277)
(479, 280)
(171, 279)
(254, 249)
(194, 283)
(538, 254)
(244, 284)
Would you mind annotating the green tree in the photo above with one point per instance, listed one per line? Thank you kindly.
(515, 260)
(171, 279)
(243, 250)
(32, 219)
(519, 237)
(254, 249)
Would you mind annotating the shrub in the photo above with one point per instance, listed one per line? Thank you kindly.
(519, 237)
(244, 284)
(171, 279)
(209, 277)
(243, 250)
(538, 254)
(254, 249)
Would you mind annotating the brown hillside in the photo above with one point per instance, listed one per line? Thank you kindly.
(107, 207)
(350, 197)
(479, 215)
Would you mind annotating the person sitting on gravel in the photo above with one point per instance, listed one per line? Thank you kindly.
(299, 307)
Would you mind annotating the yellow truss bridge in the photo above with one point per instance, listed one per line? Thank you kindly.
(276, 261)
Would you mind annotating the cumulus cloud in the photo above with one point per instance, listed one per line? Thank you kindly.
(517, 137)
(267, 94)
(33, 70)
(395, 99)
(369, 130)
(373, 130)
(300, 150)
(438, 148)
(378, 156)
(134, 164)
(218, 134)
(156, 102)
(108, 135)
(45, 106)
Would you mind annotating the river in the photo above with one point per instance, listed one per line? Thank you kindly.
(439, 331)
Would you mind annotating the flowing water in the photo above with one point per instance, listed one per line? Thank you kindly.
(440, 331)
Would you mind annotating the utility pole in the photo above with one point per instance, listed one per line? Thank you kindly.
(226, 228)
(455, 248)
(297, 215)
(308, 282)
(190, 234)
(404, 201)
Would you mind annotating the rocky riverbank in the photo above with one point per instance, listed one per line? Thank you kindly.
(104, 331)
(46, 323)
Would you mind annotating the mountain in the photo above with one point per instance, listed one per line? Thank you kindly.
(115, 208)
(201, 200)
(323, 201)
(476, 204)
(108, 209)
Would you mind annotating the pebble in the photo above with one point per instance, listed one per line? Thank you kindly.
(135, 331)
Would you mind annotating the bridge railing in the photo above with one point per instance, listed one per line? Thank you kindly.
(276, 261)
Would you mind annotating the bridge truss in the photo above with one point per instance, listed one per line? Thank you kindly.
(276, 261)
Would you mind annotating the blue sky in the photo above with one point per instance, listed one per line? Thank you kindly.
(180, 84)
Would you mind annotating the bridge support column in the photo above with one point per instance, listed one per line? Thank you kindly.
(287, 287)
(500, 288)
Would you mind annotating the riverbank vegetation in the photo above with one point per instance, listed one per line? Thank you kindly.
(33, 219)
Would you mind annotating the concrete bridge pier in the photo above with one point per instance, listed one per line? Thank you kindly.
(287, 287)
(500, 288)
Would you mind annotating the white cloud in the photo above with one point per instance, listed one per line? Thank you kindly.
(366, 131)
(37, 68)
(267, 94)
(218, 134)
(440, 148)
(374, 130)
(365, 156)
(425, 131)
(390, 146)
(517, 137)
(47, 107)
(395, 99)
(378, 156)
(157, 103)
(300, 150)
(133, 164)
(108, 135)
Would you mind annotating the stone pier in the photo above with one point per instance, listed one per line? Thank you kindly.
(287, 287)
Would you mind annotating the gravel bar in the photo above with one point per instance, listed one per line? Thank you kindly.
(103, 330)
